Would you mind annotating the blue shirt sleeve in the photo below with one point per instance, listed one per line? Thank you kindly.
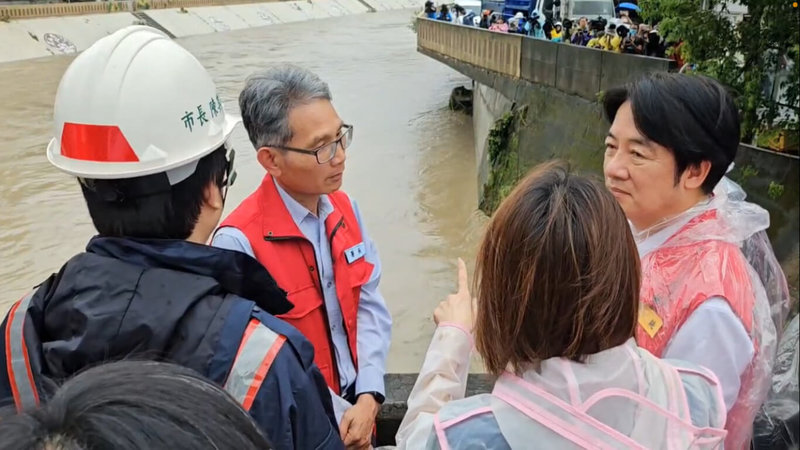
(374, 322)
(230, 238)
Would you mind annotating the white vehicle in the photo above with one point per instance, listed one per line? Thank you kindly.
(591, 9)
(470, 5)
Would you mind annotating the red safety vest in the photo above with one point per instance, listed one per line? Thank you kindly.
(283, 249)
(677, 278)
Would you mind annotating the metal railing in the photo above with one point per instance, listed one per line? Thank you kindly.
(15, 12)
(165, 4)
(62, 9)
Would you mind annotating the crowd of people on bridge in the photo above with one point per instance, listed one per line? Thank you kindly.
(624, 34)
(642, 312)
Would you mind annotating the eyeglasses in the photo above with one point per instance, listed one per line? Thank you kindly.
(326, 152)
(230, 174)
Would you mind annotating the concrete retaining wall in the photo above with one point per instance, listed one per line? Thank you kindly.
(488, 106)
(180, 24)
(46, 36)
(33, 38)
(498, 52)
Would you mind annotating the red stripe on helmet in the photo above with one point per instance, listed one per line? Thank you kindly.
(98, 143)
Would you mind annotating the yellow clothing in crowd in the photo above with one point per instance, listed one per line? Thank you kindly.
(608, 42)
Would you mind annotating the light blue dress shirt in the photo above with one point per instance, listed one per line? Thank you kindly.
(374, 321)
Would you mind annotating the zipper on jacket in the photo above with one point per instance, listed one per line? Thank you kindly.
(335, 229)
(322, 293)
(338, 225)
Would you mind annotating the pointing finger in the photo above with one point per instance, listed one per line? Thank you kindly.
(462, 276)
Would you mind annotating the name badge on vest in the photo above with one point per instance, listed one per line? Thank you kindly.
(355, 253)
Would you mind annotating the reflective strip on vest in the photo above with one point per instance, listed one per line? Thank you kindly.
(251, 365)
(18, 365)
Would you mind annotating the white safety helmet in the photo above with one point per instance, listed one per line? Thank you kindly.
(136, 103)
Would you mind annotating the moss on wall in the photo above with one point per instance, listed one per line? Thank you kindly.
(504, 167)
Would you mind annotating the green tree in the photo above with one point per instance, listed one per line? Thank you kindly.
(745, 56)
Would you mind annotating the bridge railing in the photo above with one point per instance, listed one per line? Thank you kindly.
(16, 12)
(572, 69)
(165, 4)
(499, 52)
(62, 9)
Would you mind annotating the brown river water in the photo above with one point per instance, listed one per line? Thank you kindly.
(411, 166)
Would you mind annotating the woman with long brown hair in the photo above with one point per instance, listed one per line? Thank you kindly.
(557, 304)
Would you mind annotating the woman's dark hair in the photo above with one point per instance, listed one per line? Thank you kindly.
(557, 273)
(691, 115)
(148, 207)
(133, 405)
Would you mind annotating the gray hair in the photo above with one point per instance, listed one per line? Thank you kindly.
(269, 96)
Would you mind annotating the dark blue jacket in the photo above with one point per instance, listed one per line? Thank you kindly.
(179, 302)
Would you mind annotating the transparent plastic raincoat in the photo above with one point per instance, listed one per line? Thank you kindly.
(621, 398)
(776, 426)
(722, 251)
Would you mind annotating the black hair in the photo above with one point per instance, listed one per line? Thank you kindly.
(693, 116)
(598, 24)
(133, 405)
(148, 207)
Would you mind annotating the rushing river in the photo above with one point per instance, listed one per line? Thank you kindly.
(411, 167)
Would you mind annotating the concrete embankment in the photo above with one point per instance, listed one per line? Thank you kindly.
(22, 39)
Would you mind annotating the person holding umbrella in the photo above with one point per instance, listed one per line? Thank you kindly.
(627, 6)
(629, 10)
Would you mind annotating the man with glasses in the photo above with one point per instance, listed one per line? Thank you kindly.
(148, 286)
(311, 238)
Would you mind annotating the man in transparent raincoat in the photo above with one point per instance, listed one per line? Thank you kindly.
(712, 291)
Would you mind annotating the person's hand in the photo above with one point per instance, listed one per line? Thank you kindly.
(358, 422)
(458, 308)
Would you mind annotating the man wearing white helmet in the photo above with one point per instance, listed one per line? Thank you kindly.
(138, 121)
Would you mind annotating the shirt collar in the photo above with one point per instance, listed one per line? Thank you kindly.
(649, 241)
(300, 212)
(657, 239)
